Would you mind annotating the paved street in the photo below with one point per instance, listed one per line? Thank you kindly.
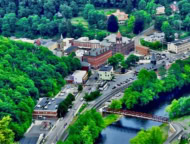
(62, 124)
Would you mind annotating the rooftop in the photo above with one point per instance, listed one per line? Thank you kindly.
(71, 49)
(122, 16)
(112, 38)
(48, 104)
(181, 41)
(79, 73)
(96, 51)
(106, 68)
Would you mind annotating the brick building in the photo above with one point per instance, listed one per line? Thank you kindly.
(84, 42)
(47, 108)
(119, 44)
(142, 50)
(97, 57)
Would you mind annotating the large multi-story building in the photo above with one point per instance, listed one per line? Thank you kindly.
(119, 44)
(97, 56)
(179, 46)
(84, 42)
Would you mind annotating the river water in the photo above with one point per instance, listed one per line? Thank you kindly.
(126, 128)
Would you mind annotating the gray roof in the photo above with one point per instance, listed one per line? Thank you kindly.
(148, 66)
(83, 63)
(181, 41)
(106, 68)
(71, 49)
(112, 39)
(96, 51)
(49, 104)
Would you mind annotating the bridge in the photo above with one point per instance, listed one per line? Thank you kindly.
(136, 114)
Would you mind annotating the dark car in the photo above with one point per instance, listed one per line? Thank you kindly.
(114, 87)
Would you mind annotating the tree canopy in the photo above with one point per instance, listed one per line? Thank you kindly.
(27, 73)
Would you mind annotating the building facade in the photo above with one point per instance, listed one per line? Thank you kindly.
(97, 57)
(106, 73)
(47, 108)
(119, 44)
(160, 10)
(84, 42)
(80, 76)
(142, 50)
(179, 46)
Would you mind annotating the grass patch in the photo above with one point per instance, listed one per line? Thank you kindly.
(110, 119)
(107, 11)
(78, 20)
(83, 107)
(164, 128)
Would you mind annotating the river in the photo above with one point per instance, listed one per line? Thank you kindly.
(126, 128)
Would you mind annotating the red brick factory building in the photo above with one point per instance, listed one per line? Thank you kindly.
(97, 57)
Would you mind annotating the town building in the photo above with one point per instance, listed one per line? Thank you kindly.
(97, 57)
(142, 50)
(179, 46)
(121, 16)
(47, 108)
(119, 44)
(106, 73)
(174, 7)
(160, 10)
(85, 66)
(70, 49)
(84, 42)
(67, 42)
(80, 76)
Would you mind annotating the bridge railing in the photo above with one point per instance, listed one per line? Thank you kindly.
(137, 114)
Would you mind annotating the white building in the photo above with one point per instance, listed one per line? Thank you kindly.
(80, 76)
(179, 46)
(106, 73)
(160, 10)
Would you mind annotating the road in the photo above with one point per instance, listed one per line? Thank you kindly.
(62, 124)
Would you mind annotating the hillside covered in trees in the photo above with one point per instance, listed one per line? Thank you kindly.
(49, 18)
(26, 73)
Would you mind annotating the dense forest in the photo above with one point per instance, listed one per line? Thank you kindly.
(26, 73)
(148, 87)
(49, 18)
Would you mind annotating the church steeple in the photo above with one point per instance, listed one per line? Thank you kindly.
(118, 37)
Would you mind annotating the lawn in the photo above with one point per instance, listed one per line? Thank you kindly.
(107, 11)
(77, 20)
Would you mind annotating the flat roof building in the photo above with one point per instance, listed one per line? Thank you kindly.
(179, 46)
(47, 108)
(97, 57)
(80, 76)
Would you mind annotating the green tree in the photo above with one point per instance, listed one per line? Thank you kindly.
(167, 29)
(151, 136)
(158, 22)
(6, 134)
(80, 88)
(116, 104)
(112, 24)
(142, 5)
(162, 72)
(130, 24)
(116, 59)
(66, 11)
(87, 9)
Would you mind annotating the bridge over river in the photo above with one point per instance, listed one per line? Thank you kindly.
(136, 114)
